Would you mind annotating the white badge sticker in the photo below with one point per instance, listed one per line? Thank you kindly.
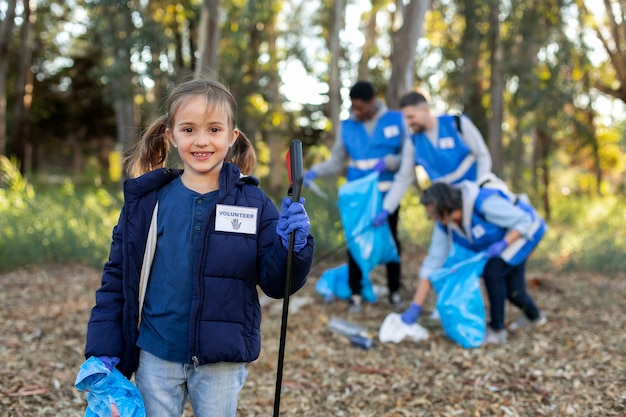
(391, 131)
(446, 143)
(478, 231)
(236, 219)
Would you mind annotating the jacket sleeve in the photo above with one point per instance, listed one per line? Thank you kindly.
(104, 331)
(273, 257)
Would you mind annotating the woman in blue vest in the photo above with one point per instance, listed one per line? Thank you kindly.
(371, 139)
(484, 220)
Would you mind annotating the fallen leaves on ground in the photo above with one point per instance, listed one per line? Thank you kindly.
(575, 365)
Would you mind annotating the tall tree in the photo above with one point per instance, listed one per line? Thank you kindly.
(208, 38)
(496, 90)
(24, 90)
(404, 41)
(6, 36)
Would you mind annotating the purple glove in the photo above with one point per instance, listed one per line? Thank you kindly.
(411, 314)
(380, 166)
(308, 177)
(380, 218)
(495, 250)
(109, 361)
(292, 218)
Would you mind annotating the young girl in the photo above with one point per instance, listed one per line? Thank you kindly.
(178, 303)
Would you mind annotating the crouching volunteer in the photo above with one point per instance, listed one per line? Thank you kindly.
(483, 220)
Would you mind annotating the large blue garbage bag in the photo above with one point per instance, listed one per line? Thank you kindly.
(459, 296)
(333, 283)
(359, 202)
(103, 387)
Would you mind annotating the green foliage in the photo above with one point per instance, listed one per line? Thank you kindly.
(53, 225)
(587, 233)
(69, 224)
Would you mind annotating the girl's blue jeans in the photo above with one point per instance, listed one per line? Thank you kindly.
(505, 282)
(212, 389)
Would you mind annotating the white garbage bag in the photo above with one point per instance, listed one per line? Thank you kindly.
(395, 330)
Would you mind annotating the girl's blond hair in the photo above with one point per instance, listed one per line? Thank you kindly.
(153, 148)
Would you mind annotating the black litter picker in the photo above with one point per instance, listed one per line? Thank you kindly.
(295, 174)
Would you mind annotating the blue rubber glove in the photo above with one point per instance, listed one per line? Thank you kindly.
(495, 250)
(308, 177)
(411, 314)
(380, 166)
(109, 361)
(293, 217)
(380, 218)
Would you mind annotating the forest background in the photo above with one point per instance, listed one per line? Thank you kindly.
(79, 80)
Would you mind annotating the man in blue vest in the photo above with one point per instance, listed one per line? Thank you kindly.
(371, 139)
(449, 148)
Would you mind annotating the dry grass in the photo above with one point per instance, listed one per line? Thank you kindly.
(573, 366)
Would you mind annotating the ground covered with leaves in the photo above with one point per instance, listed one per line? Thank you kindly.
(575, 365)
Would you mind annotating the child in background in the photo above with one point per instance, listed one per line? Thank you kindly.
(218, 237)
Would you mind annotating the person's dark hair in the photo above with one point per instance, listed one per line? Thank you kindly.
(362, 90)
(443, 197)
(412, 99)
(152, 150)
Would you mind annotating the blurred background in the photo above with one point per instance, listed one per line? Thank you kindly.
(543, 80)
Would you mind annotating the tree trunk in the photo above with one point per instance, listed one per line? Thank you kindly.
(404, 44)
(274, 137)
(494, 137)
(23, 93)
(472, 70)
(208, 39)
(369, 46)
(334, 82)
(6, 31)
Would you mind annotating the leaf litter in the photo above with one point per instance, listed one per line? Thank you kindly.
(575, 365)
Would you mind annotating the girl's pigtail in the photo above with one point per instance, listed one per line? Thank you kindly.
(151, 151)
(242, 154)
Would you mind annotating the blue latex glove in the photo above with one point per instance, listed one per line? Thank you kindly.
(308, 177)
(292, 218)
(495, 250)
(381, 218)
(380, 166)
(411, 314)
(109, 361)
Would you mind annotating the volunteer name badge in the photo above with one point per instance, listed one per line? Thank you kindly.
(478, 231)
(446, 143)
(236, 219)
(391, 131)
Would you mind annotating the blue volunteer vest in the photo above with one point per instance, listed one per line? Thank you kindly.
(365, 150)
(484, 233)
(450, 161)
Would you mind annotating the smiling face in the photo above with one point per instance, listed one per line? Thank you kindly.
(202, 132)
(416, 117)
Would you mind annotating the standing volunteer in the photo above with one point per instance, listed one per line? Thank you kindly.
(201, 240)
(371, 139)
(483, 219)
(449, 148)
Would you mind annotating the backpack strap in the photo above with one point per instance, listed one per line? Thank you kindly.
(457, 121)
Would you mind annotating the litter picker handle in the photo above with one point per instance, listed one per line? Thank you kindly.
(295, 174)
(295, 169)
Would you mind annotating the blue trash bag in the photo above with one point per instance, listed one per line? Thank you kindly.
(459, 296)
(103, 387)
(359, 202)
(333, 283)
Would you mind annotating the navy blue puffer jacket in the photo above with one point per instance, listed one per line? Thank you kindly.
(225, 312)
